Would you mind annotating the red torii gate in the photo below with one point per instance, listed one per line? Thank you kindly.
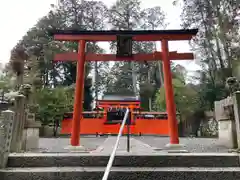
(154, 35)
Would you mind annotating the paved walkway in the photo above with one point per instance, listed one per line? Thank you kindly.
(144, 143)
(192, 144)
(135, 146)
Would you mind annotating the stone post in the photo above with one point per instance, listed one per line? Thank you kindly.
(226, 123)
(6, 131)
(236, 106)
(18, 125)
(31, 132)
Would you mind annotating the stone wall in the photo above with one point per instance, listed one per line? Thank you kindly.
(236, 115)
(19, 131)
(6, 131)
(227, 115)
(30, 133)
(19, 122)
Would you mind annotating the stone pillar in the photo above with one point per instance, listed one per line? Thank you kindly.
(236, 106)
(6, 131)
(18, 125)
(31, 133)
(226, 124)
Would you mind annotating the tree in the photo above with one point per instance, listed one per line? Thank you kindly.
(18, 59)
(152, 18)
(6, 85)
(95, 18)
(184, 95)
(215, 43)
(136, 77)
(125, 15)
(85, 15)
(186, 98)
(39, 49)
(53, 103)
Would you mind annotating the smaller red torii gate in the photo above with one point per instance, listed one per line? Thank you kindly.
(155, 35)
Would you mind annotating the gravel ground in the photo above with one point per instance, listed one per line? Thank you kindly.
(191, 144)
(91, 143)
(59, 144)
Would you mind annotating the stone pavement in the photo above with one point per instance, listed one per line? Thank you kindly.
(135, 146)
(197, 145)
(144, 143)
(60, 144)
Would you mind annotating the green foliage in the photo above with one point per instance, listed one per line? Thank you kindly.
(209, 93)
(185, 96)
(216, 45)
(160, 102)
(147, 90)
(53, 103)
(41, 71)
(5, 83)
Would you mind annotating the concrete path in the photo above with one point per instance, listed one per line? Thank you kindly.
(195, 145)
(60, 144)
(135, 146)
(191, 144)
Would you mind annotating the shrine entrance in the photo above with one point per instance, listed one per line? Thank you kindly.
(124, 53)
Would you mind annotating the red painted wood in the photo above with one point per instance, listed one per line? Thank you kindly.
(96, 125)
(72, 56)
(171, 107)
(92, 126)
(78, 105)
(149, 37)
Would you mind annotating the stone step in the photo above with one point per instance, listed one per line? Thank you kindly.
(124, 160)
(117, 173)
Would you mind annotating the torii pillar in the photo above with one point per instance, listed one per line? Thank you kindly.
(164, 36)
(169, 93)
(79, 91)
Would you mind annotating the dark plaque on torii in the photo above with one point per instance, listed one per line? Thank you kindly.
(124, 46)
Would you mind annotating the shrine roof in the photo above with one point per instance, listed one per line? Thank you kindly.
(125, 32)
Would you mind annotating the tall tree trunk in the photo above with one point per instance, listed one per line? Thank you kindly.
(223, 37)
(208, 35)
(159, 63)
(45, 76)
(54, 75)
(81, 19)
(19, 81)
(96, 80)
(209, 48)
(149, 99)
(134, 74)
(134, 79)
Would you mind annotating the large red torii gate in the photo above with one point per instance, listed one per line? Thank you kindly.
(154, 35)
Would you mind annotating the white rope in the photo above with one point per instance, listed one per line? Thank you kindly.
(111, 159)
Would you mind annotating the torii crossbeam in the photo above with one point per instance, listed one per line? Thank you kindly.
(81, 57)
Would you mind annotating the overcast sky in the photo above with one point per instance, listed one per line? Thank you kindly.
(17, 16)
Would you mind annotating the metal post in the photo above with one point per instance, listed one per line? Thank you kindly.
(128, 134)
